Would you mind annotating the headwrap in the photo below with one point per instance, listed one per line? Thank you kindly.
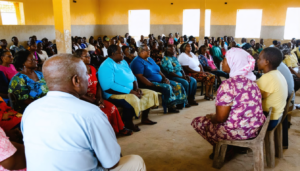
(240, 62)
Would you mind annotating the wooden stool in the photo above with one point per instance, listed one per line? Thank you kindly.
(256, 144)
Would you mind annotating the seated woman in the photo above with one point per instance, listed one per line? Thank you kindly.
(149, 76)
(27, 85)
(120, 88)
(33, 50)
(12, 156)
(239, 113)
(42, 54)
(9, 118)
(272, 84)
(94, 95)
(128, 56)
(191, 65)
(290, 59)
(208, 64)
(174, 71)
(157, 52)
(6, 66)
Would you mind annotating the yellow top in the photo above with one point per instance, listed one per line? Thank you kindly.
(274, 90)
(291, 60)
(296, 49)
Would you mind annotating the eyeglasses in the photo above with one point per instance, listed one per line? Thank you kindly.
(86, 56)
(10, 56)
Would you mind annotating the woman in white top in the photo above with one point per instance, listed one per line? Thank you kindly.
(191, 65)
(42, 54)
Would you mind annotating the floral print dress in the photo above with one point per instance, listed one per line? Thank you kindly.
(25, 88)
(246, 115)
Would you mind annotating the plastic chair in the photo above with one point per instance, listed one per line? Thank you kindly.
(14, 104)
(256, 144)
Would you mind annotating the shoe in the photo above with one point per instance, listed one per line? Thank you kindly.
(173, 110)
(187, 105)
(126, 132)
(179, 106)
(149, 122)
(193, 103)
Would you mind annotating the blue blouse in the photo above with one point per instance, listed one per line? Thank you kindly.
(114, 76)
(148, 68)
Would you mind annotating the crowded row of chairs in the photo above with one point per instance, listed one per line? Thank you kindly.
(132, 75)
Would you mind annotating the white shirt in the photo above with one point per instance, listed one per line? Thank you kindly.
(77, 47)
(104, 51)
(43, 56)
(91, 48)
(139, 43)
(185, 60)
(62, 132)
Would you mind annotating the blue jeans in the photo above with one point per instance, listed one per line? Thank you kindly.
(273, 124)
(190, 87)
(220, 73)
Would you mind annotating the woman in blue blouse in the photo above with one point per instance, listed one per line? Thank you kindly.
(172, 68)
(27, 85)
(120, 88)
(149, 76)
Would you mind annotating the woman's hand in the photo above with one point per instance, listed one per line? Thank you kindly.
(187, 78)
(6, 116)
(203, 73)
(165, 80)
(136, 93)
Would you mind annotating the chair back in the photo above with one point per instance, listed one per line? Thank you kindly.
(13, 101)
(287, 107)
(263, 130)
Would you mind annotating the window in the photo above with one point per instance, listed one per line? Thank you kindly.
(292, 24)
(248, 23)
(139, 23)
(191, 22)
(207, 22)
(8, 13)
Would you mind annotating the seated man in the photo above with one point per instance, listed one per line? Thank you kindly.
(272, 84)
(62, 132)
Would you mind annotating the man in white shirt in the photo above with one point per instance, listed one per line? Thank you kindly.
(104, 49)
(62, 132)
(140, 42)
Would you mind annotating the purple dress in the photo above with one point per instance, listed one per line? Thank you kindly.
(246, 115)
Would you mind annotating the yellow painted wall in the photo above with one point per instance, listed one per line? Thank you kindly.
(115, 12)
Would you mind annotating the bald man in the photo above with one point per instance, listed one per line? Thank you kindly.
(62, 132)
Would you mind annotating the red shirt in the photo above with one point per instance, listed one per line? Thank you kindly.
(92, 79)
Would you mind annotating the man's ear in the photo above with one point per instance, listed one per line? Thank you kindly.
(75, 80)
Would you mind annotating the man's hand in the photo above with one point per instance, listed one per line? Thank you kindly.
(100, 103)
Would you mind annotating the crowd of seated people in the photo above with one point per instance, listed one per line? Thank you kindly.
(123, 72)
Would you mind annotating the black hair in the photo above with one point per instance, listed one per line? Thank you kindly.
(91, 38)
(124, 47)
(251, 40)
(2, 52)
(275, 42)
(112, 49)
(199, 50)
(13, 38)
(20, 58)
(205, 38)
(273, 55)
(78, 53)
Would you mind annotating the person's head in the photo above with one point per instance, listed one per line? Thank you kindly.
(143, 52)
(222, 43)
(257, 45)
(15, 40)
(176, 34)
(261, 41)
(106, 44)
(113, 41)
(126, 50)
(91, 40)
(252, 42)
(289, 45)
(39, 46)
(186, 47)
(170, 35)
(78, 40)
(115, 53)
(215, 43)
(233, 43)
(275, 42)
(270, 58)
(181, 39)
(121, 39)
(33, 46)
(225, 38)
(126, 35)
(192, 38)
(278, 44)
(25, 59)
(45, 41)
(202, 50)
(155, 45)
(244, 40)
(297, 43)
(170, 51)
(160, 45)
(83, 55)
(3, 43)
(142, 38)
(145, 41)
(100, 39)
(239, 62)
(132, 41)
(159, 37)
(34, 37)
(66, 73)
(6, 57)
(212, 39)
(293, 40)
(84, 39)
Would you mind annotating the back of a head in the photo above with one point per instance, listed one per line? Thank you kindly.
(112, 49)
(59, 69)
(273, 55)
(275, 42)
(78, 53)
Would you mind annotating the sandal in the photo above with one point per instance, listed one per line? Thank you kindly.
(126, 132)
(212, 97)
(207, 98)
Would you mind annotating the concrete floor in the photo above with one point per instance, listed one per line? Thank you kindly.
(173, 145)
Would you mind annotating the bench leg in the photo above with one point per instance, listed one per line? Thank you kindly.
(258, 156)
(220, 152)
(270, 149)
(278, 141)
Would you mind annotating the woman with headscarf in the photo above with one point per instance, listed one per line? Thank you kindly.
(239, 113)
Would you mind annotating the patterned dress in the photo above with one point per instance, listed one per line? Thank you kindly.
(7, 149)
(25, 88)
(110, 110)
(13, 119)
(246, 115)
